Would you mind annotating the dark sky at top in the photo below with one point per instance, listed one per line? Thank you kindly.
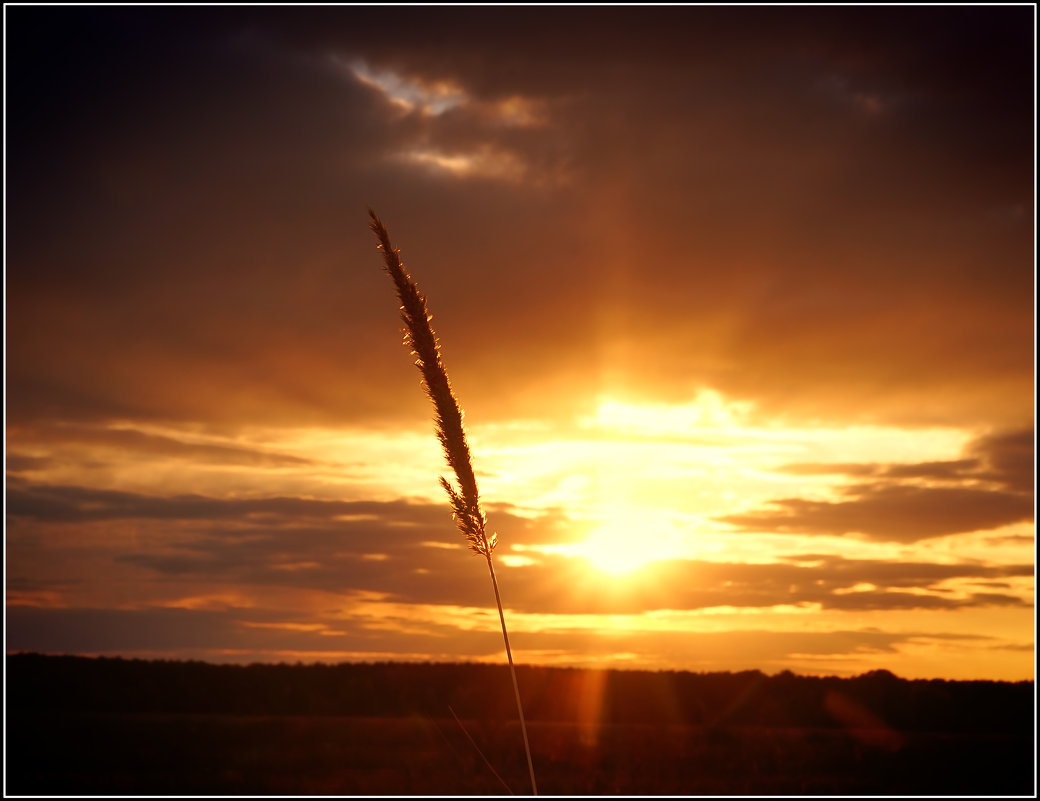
(813, 209)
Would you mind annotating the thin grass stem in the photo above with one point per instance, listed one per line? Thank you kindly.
(512, 672)
(479, 751)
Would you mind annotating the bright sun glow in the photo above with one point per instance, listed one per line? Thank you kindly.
(628, 541)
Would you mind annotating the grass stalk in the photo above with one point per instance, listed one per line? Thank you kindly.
(479, 751)
(465, 499)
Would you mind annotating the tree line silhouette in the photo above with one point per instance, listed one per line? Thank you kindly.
(874, 700)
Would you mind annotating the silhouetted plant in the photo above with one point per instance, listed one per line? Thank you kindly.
(465, 501)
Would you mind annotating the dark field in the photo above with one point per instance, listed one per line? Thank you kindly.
(110, 727)
(287, 755)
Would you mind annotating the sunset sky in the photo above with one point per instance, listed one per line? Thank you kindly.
(738, 302)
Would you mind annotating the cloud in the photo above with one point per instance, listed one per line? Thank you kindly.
(113, 630)
(895, 507)
(81, 504)
(1010, 457)
(243, 636)
(831, 582)
(410, 553)
(409, 550)
(1004, 457)
(414, 519)
(891, 513)
(429, 99)
(127, 441)
(446, 130)
(948, 469)
(180, 245)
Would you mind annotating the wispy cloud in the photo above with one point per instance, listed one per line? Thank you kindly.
(407, 93)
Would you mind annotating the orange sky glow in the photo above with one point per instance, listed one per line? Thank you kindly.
(738, 303)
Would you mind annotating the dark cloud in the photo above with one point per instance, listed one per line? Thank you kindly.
(1010, 457)
(833, 582)
(947, 469)
(226, 635)
(891, 513)
(100, 630)
(199, 225)
(891, 509)
(129, 441)
(81, 504)
(398, 549)
(830, 469)
(834, 202)
(410, 550)
(169, 630)
(1006, 458)
(414, 520)
(22, 463)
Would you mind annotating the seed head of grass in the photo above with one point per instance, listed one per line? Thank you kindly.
(419, 335)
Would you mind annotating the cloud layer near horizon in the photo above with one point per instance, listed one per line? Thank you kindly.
(403, 550)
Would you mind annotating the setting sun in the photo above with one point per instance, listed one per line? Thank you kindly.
(628, 542)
